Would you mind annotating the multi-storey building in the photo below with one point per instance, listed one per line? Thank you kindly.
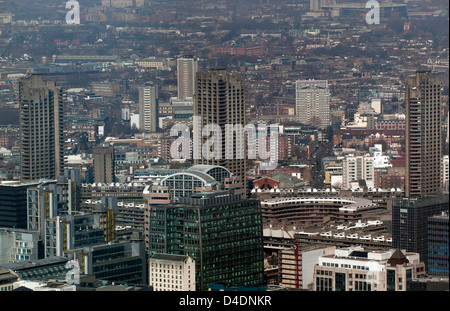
(171, 272)
(187, 68)
(42, 126)
(355, 269)
(220, 99)
(72, 231)
(289, 265)
(358, 168)
(122, 262)
(314, 210)
(50, 199)
(409, 222)
(423, 134)
(126, 192)
(19, 245)
(13, 203)
(220, 231)
(438, 244)
(148, 107)
(104, 164)
(313, 102)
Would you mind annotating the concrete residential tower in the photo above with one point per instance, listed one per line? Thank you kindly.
(42, 125)
(423, 134)
(104, 169)
(313, 102)
(220, 99)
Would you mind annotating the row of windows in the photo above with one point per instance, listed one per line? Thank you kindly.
(168, 266)
(163, 281)
(170, 272)
(356, 267)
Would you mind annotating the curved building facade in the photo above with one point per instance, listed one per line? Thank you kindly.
(310, 210)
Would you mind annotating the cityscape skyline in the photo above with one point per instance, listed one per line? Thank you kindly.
(224, 146)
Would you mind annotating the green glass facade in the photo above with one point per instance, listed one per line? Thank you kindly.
(223, 233)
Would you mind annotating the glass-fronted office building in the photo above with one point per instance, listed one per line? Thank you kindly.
(221, 231)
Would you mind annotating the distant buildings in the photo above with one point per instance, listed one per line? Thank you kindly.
(241, 50)
(151, 63)
(42, 127)
(313, 102)
(122, 3)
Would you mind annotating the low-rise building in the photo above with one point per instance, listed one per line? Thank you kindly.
(355, 269)
(169, 272)
(289, 264)
(7, 279)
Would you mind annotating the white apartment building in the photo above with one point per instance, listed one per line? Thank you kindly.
(171, 272)
(187, 67)
(148, 107)
(355, 269)
(357, 168)
(313, 102)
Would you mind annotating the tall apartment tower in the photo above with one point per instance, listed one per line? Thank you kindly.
(42, 128)
(423, 134)
(148, 107)
(313, 102)
(186, 69)
(220, 99)
(104, 170)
